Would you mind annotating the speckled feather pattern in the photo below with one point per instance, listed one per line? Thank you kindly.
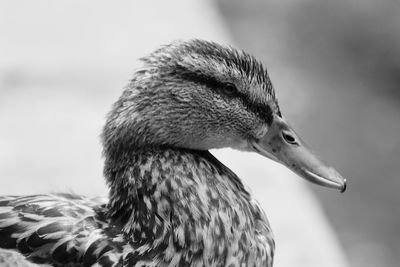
(171, 203)
(167, 208)
(189, 210)
(57, 229)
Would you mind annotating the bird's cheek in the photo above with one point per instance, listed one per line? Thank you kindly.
(243, 145)
(260, 131)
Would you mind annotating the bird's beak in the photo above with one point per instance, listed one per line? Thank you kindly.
(282, 144)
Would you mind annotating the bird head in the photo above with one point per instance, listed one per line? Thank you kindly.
(202, 95)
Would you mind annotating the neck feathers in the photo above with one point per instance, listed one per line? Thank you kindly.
(170, 200)
(153, 179)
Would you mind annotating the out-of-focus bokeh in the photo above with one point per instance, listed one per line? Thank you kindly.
(341, 66)
(335, 66)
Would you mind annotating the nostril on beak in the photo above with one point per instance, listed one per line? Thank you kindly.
(289, 138)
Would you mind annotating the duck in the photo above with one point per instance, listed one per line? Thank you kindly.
(170, 201)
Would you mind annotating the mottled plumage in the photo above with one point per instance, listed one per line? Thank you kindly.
(170, 206)
(58, 229)
(171, 203)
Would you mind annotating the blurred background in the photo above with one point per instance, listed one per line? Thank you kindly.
(335, 66)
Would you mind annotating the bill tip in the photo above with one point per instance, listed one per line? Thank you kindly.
(344, 187)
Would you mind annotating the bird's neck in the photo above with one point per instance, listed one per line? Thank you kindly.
(151, 181)
(171, 200)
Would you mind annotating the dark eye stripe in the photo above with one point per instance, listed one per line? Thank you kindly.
(263, 111)
(230, 90)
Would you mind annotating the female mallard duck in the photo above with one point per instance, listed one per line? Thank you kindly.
(171, 203)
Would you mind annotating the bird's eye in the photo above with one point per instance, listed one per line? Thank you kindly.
(230, 89)
(289, 138)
